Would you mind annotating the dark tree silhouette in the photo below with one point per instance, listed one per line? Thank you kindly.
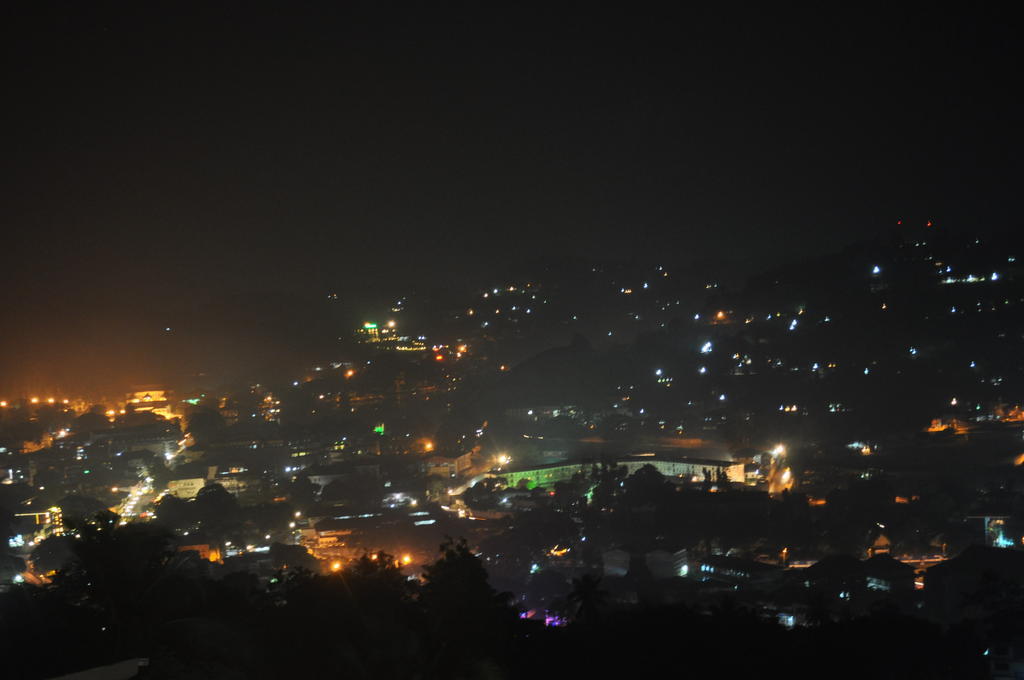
(470, 621)
(93, 420)
(588, 598)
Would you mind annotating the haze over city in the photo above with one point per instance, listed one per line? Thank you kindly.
(478, 340)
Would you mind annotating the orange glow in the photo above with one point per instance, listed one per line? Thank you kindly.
(1019, 460)
(438, 357)
(350, 372)
(811, 500)
(902, 500)
(34, 400)
(1014, 415)
(406, 559)
(51, 400)
(336, 565)
(720, 315)
(3, 404)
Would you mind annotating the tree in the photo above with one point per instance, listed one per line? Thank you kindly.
(10, 564)
(175, 513)
(52, 554)
(292, 557)
(139, 418)
(93, 420)
(77, 508)
(117, 569)
(468, 618)
(645, 486)
(216, 510)
(205, 424)
(302, 492)
(607, 479)
(588, 598)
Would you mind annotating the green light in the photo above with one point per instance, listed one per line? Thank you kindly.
(369, 326)
(194, 401)
(379, 429)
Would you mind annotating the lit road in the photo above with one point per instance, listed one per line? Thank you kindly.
(138, 497)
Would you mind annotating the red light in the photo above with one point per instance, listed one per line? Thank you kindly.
(899, 222)
(929, 223)
(438, 357)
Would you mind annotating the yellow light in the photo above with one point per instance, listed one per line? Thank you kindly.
(34, 400)
(349, 373)
(391, 324)
(336, 565)
(428, 446)
(50, 400)
(406, 559)
(111, 413)
(3, 404)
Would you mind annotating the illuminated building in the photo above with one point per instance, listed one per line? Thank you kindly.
(448, 466)
(204, 550)
(686, 468)
(186, 488)
(387, 337)
(56, 521)
(150, 400)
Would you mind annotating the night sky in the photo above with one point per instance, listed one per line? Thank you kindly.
(212, 167)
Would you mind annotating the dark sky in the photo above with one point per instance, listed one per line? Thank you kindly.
(210, 166)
